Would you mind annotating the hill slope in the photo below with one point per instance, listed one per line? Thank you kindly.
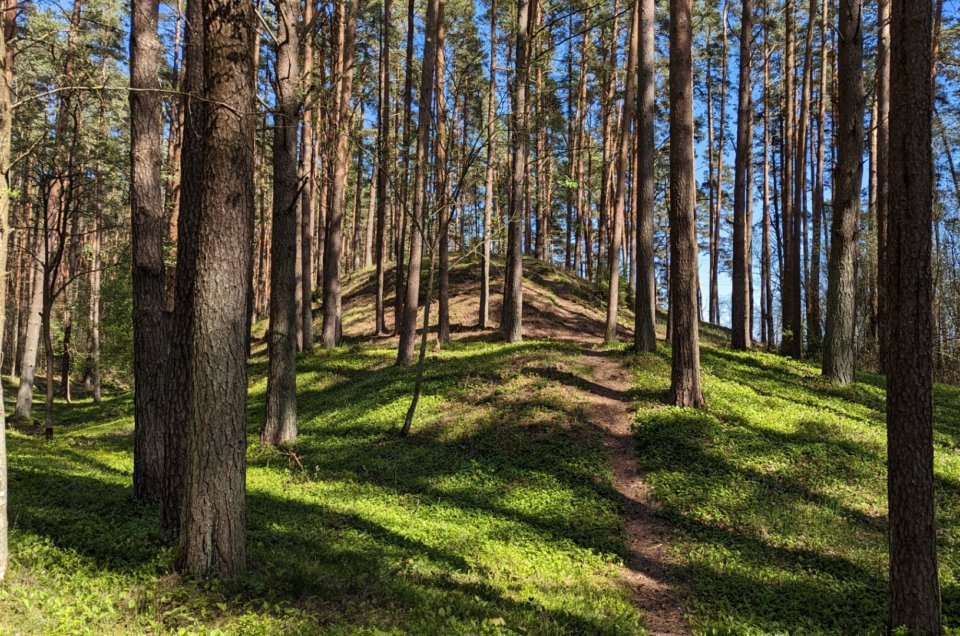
(513, 508)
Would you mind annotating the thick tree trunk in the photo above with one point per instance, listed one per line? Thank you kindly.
(742, 310)
(645, 335)
(839, 362)
(408, 329)
(214, 510)
(914, 586)
(685, 373)
(148, 230)
(623, 159)
(281, 422)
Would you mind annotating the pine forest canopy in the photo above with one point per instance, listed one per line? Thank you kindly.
(190, 192)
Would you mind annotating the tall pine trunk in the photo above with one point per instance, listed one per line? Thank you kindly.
(914, 586)
(281, 420)
(148, 229)
(839, 363)
(214, 509)
(742, 309)
(645, 335)
(685, 370)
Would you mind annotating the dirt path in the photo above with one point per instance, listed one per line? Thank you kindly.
(608, 407)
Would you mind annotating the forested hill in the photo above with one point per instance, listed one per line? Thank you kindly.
(509, 509)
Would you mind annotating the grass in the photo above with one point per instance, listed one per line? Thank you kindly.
(776, 494)
(496, 517)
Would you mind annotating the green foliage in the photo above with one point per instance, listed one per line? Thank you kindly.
(777, 494)
(496, 517)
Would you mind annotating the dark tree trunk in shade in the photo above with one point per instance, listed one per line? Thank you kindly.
(840, 347)
(281, 421)
(214, 510)
(914, 587)
(408, 328)
(148, 231)
(741, 311)
(882, 91)
(685, 374)
(645, 335)
(181, 322)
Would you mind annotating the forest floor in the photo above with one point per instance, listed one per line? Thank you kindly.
(515, 507)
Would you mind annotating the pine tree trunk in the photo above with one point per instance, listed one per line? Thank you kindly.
(839, 352)
(308, 170)
(384, 158)
(489, 174)
(408, 328)
(645, 335)
(512, 326)
(623, 159)
(333, 252)
(6, 129)
(685, 373)
(914, 586)
(742, 310)
(214, 510)
(281, 419)
(882, 92)
(148, 229)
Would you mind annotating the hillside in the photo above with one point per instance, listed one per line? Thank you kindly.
(514, 508)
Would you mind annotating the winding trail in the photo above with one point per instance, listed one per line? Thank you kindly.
(608, 407)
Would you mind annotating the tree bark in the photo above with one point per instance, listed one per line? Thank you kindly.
(308, 168)
(645, 335)
(384, 158)
(741, 336)
(281, 418)
(914, 586)
(408, 329)
(214, 510)
(333, 252)
(623, 159)
(8, 22)
(148, 229)
(489, 174)
(839, 360)
(685, 370)
(512, 326)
